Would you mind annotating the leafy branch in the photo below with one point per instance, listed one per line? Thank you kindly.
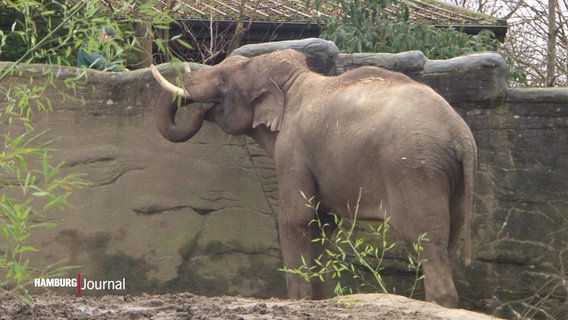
(351, 258)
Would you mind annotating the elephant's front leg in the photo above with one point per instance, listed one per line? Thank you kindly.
(296, 235)
(295, 242)
(295, 230)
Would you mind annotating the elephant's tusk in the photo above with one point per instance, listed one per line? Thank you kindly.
(186, 68)
(168, 86)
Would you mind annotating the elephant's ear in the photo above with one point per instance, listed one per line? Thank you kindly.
(269, 107)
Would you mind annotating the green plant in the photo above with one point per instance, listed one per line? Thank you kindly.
(48, 31)
(350, 260)
(30, 183)
(384, 26)
(30, 186)
(415, 264)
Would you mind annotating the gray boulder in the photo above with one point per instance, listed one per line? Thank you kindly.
(320, 54)
(405, 62)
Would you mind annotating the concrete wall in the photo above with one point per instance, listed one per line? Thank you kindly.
(201, 216)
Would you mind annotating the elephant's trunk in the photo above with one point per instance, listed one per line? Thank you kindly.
(167, 109)
(165, 117)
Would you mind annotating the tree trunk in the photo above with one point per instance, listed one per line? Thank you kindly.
(240, 30)
(143, 33)
(552, 35)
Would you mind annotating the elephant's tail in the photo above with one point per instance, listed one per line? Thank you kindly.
(469, 166)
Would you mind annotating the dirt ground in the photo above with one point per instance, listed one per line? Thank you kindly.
(189, 306)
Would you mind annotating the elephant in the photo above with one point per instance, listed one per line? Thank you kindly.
(369, 135)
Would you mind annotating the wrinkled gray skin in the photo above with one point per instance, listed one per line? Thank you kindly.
(367, 132)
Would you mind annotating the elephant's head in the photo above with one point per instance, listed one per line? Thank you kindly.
(243, 93)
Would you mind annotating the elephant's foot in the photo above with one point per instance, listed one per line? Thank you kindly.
(444, 299)
(438, 281)
(298, 288)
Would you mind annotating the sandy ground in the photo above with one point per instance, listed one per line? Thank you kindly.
(189, 306)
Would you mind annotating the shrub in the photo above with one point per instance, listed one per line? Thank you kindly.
(384, 26)
(352, 260)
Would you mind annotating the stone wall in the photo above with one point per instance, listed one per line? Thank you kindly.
(201, 216)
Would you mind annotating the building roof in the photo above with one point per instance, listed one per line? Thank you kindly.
(295, 12)
(432, 11)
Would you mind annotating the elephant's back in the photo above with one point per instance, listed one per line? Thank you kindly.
(370, 138)
(374, 108)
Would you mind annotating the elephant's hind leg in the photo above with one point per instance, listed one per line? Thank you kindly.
(438, 280)
(416, 213)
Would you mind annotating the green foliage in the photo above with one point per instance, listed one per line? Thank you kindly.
(31, 184)
(41, 31)
(365, 26)
(53, 31)
(353, 261)
(48, 32)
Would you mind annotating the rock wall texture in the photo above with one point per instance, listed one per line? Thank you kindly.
(201, 216)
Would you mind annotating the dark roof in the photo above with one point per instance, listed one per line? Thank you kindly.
(259, 10)
(442, 13)
(436, 12)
